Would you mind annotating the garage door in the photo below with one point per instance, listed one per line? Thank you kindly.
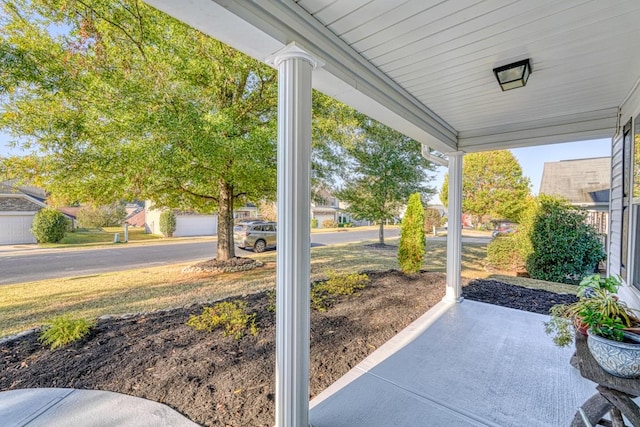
(196, 225)
(16, 229)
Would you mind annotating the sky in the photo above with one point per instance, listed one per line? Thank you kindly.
(531, 159)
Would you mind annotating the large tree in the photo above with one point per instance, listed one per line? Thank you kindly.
(383, 168)
(492, 185)
(118, 100)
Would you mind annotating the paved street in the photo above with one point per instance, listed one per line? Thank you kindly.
(17, 266)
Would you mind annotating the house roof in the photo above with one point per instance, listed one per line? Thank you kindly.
(20, 198)
(425, 68)
(583, 182)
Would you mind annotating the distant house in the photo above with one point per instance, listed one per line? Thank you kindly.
(586, 183)
(193, 223)
(326, 207)
(18, 206)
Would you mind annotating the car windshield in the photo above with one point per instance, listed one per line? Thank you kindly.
(241, 228)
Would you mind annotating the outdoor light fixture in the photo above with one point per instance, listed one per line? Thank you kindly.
(513, 75)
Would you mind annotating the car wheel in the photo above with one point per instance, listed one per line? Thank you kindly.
(259, 246)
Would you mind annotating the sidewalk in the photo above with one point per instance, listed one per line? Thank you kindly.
(60, 407)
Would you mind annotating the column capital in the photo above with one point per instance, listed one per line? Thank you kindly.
(293, 51)
(456, 153)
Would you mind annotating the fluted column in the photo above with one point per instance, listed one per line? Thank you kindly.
(293, 254)
(454, 228)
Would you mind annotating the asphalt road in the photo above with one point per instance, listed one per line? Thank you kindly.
(18, 266)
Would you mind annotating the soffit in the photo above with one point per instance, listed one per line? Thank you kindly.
(424, 67)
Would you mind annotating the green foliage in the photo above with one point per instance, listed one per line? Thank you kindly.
(492, 185)
(385, 167)
(597, 309)
(64, 330)
(564, 248)
(411, 249)
(49, 226)
(329, 223)
(168, 223)
(502, 254)
(336, 284)
(432, 219)
(231, 316)
(111, 215)
(130, 103)
(314, 222)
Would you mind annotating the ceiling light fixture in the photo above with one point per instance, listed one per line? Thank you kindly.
(513, 75)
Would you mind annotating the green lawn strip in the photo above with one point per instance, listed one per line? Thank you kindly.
(27, 305)
(99, 236)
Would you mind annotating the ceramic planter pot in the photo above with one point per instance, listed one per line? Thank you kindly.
(617, 358)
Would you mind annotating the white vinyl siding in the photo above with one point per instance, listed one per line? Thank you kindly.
(615, 227)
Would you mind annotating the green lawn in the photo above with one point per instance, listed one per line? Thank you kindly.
(100, 236)
(27, 305)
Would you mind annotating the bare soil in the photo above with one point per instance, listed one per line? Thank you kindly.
(220, 381)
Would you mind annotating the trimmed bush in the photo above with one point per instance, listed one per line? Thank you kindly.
(230, 316)
(329, 223)
(432, 219)
(314, 222)
(101, 216)
(168, 223)
(49, 226)
(564, 247)
(64, 330)
(412, 241)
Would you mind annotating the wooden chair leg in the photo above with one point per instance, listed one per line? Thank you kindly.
(623, 402)
(595, 408)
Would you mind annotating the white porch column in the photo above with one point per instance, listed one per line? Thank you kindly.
(293, 259)
(454, 228)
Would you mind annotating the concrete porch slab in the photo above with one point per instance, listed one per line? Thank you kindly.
(467, 364)
(63, 407)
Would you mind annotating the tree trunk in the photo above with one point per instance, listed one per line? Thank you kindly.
(381, 233)
(226, 248)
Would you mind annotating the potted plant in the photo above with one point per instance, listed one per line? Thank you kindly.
(610, 322)
(595, 294)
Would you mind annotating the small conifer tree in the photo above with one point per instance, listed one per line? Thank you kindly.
(412, 243)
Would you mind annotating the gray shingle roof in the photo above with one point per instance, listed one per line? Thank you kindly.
(584, 182)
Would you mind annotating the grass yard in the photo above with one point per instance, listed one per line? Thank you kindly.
(100, 236)
(28, 305)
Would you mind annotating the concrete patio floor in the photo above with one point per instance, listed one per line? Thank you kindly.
(467, 364)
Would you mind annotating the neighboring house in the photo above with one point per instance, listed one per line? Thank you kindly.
(191, 223)
(325, 207)
(187, 223)
(585, 183)
(137, 218)
(18, 206)
(71, 212)
(249, 211)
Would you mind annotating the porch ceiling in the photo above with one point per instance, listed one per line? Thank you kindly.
(425, 67)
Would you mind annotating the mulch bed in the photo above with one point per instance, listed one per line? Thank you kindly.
(219, 381)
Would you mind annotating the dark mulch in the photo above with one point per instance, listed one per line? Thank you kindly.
(218, 381)
(499, 293)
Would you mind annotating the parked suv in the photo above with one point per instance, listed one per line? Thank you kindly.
(258, 235)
